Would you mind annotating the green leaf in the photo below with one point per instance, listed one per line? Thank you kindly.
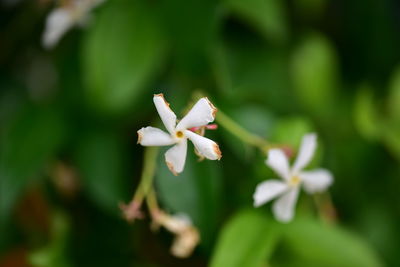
(121, 54)
(247, 69)
(268, 16)
(248, 239)
(394, 96)
(365, 113)
(315, 74)
(100, 157)
(195, 192)
(32, 139)
(313, 243)
(391, 137)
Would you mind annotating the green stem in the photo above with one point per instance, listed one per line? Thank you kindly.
(146, 181)
(152, 203)
(242, 133)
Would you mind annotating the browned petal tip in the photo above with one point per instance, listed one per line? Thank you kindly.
(165, 101)
(171, 168)
(217, 151)
(140, 136)
(214, 109)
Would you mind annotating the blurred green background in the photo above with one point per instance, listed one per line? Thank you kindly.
(69, 116)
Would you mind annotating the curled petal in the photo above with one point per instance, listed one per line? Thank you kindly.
(202, 113)
(175, 157)
(317, 180)
(306, 152)
(206, 147)
(185, 242)
(58, 22)
(268, 190)
(278, 161)
(167, 116)
(283, 208)
(151, 136)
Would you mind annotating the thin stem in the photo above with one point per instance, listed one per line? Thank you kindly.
(152, 203)
(146, 181)
(325, 207)
(242, 133)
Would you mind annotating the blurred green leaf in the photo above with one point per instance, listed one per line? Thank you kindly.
(247, 69)
(32, 139)
(365, 113)
(101, 160)
(394, 96)
(195, 192)
(248, 239)
(391, 137)
(121, 54)
(314, 70)
(313, 243)
(268, 16)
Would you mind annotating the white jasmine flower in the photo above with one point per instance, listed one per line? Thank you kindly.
(287, 190)
(61, 19)
(202, 113)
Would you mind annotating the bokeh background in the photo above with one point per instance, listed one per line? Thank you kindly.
(69, 116)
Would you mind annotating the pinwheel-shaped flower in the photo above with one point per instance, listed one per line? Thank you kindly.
(202, 113)
(287, 190)
(61, 19)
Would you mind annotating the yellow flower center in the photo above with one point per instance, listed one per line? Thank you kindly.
(295, 180)
(179, 134)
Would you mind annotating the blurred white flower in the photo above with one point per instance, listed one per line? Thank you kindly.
(288, 189)
(61, 19)
(202, 113)
(187, 236)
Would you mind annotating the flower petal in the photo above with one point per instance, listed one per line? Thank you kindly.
(317, 180)
(167, 116)
(206, 147)
(151, 136)
(202, 113)
(58, 22)
(278, 161)
(175, 157)
(283, 208)
(306, 152)
(268, 190)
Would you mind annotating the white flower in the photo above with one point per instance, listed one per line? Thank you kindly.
(202, 113)
(186, 235)
(61, 19)
(288, 189)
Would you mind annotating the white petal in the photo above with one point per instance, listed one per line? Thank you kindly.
(283, 208)
(306, 152)
(268, 190)
(167, 116)
(151, 136)
(317, 180)
(175, 157)
(206, 147)
(202, 113)
(278, 161)
(58, 22)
